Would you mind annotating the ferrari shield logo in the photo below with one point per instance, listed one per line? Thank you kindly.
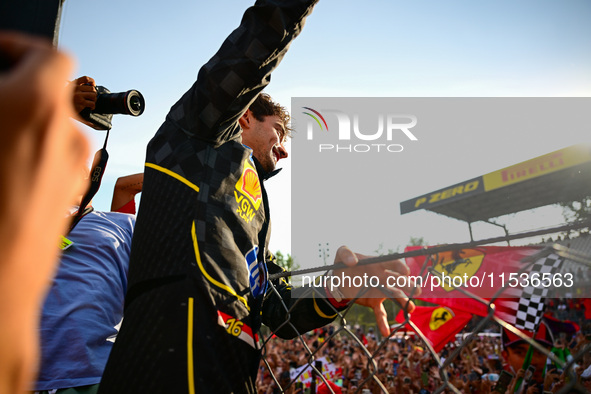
(460, 264)
(439, 317)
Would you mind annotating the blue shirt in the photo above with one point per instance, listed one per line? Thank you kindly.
(84, 306)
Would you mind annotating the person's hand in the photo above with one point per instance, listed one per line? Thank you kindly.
(84, 97)
(485, 386)
(43, 154)
(84, 93)
(42, 157)
(381, 274)
(532, 390)
(520, 374)
(552, 376)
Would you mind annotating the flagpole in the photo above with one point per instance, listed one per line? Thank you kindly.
(526, 363)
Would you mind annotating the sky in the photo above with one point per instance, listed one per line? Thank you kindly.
(431, 48)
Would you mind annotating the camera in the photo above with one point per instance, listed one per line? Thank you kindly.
(129, 103)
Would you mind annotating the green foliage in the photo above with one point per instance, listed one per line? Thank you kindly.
(413, 241)
(360, 315)
(417, 241)
(364, 317)
(380, 250)
(576, 210)
(286, 261)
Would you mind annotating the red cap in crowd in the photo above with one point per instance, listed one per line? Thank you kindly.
(543, 336)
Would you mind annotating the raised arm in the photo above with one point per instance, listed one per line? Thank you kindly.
(125, 190)
(42, 157)
(241, 68)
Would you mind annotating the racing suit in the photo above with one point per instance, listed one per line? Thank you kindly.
(198, 287)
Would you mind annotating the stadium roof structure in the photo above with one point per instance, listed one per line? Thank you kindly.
(560, 176)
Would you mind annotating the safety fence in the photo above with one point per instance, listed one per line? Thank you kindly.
(350, 359)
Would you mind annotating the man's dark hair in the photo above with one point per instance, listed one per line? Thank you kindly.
(263, 106)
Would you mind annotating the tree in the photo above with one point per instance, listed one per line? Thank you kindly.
(417, 241)
(286, 261)
(574, 211)
(380, 250)
(413, 241)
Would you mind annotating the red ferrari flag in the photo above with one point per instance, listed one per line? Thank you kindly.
(480, 271)
(515, 279)
(439, 324)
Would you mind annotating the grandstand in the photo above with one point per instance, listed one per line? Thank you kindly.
(557, 177)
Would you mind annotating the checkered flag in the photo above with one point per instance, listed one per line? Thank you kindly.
(531, 304)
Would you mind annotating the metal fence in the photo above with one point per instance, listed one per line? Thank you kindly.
(405, 362)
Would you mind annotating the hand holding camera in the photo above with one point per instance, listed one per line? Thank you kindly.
(96, 104)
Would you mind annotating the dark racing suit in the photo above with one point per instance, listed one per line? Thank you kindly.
(198, 289)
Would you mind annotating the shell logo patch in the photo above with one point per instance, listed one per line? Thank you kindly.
(439, 317)
(248, 193)
(251, 185)
(461, 264)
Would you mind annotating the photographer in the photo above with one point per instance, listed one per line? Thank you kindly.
(84, 306)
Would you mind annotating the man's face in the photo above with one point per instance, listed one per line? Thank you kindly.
(266, 139)
(515, 354)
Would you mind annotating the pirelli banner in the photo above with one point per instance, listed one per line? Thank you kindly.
(540, 166)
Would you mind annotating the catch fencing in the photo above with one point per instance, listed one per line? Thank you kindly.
(359, 362)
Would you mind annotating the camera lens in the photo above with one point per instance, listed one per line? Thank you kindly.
(135, 103)
(129, 103)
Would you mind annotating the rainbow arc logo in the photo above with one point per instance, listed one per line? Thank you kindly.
(348, 136)
(316, 118)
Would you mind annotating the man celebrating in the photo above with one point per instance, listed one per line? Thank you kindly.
(515, 351)
(198, 287)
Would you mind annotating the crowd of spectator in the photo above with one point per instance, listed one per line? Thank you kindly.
(572, 309)
(403, 364)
